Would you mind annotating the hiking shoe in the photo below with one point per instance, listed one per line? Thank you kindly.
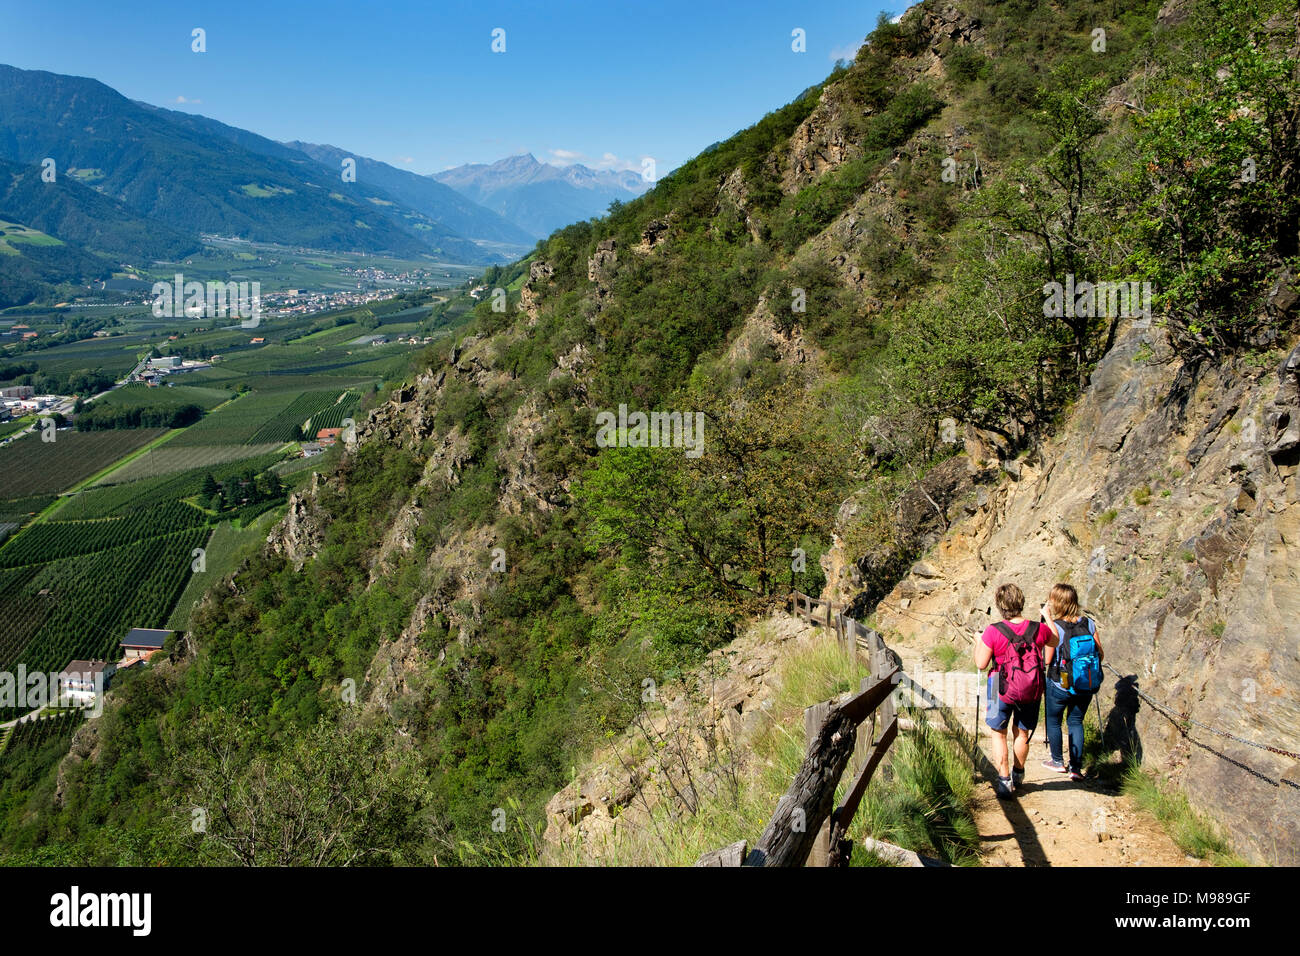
(1075, 775)
(1017, 775)
(1003, 788)
(1056, 765)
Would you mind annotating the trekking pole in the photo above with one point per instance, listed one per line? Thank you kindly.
(975, 730)
(975, 726)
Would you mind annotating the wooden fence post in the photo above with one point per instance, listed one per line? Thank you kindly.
(813, 718)
(880, 664)
(836, 740)
(865, 743)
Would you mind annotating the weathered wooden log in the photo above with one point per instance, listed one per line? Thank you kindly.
(730, 855)
(799, 814)
(813, 718)
(866, 734)
(841, 848)
(869, 698)
(899, 856)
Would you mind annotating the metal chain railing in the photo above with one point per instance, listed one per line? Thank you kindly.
(1164, 708)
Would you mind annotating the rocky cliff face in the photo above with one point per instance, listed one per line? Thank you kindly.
(1170, 501)
(299, 535)
(456, 574)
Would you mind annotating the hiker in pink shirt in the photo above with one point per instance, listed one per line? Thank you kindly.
(1014, 646)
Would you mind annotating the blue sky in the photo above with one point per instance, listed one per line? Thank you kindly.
(417, 84)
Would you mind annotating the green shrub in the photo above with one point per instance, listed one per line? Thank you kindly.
(964, 64)
(946, 656)
(1013, 86)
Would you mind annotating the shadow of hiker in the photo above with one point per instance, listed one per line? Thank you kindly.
(1022, 828)
(1121, 729)
(1120, 732)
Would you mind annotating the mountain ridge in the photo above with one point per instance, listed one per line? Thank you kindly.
(542, 197)
(424, 194)
(199, 175)
(94, 233)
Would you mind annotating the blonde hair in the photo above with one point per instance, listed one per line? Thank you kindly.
(1010, 600)
(1063, 602)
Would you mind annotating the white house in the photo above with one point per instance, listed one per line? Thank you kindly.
(77, 681)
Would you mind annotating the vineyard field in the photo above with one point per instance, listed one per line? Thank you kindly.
(20, 509)
(82, 606)
(30, 735)
(236, 423)
(138, 395)
(30, 750)
(306, 407)
(332, 417)
(30, 466)
(56, 540)
(102, 501)
(15, 425)
(223, 553)
(171, 457)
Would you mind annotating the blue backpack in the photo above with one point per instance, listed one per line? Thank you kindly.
(1077, 655)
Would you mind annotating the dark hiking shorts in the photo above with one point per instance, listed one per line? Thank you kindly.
(999, 714)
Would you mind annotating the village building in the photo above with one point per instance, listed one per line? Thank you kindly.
(143, 642)
(77, 681)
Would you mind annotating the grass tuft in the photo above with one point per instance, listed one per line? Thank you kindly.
(925, 801)
(1194, 833)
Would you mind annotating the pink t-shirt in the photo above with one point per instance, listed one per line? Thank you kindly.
(1001, 646)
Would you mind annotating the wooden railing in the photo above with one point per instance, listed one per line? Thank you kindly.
(807, 827)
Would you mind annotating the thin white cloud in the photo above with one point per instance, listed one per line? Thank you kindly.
(404, 160)
(182, 99)
(846, 52)
(619, 163)
(607, 161)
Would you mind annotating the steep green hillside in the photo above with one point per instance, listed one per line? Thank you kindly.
(444, 626)
(85, 234)
(33, 262)
(75, 213)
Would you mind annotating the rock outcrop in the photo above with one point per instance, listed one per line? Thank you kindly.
(530, 293)
(302, 531)
(600, 270)
(1170, 501)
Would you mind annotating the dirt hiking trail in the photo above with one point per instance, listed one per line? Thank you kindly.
(1053, 821)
